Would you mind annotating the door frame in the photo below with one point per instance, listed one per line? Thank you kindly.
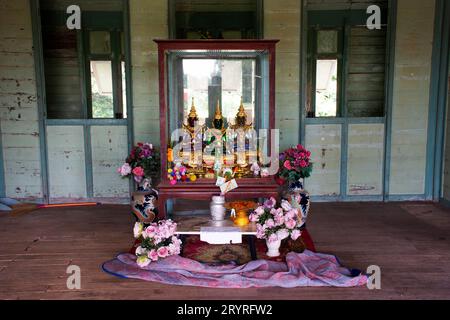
(86, 123)
(344, 121)
(439, 89)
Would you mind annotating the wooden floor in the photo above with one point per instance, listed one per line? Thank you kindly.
(410, 242)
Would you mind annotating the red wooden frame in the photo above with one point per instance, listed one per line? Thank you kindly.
(203, 189)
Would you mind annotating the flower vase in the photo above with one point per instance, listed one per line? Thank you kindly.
(296, 187)
(144, 202)
(273, 248)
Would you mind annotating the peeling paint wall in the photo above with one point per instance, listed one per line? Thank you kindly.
(148, 21)
(324, 142)
(365, 159)
(108, 144)
(414, 44)
(66, 164)
(283, 22)
(18, 106)
(446, 165)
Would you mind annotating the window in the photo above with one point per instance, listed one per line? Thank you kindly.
(106, 85)
(346, 66)
(84, 69)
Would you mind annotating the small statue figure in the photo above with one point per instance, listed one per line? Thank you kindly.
(218, 122)
(240, 121)
(192, 121)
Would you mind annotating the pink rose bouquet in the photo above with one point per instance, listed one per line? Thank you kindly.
(295, 164)
(158, 241)
(143, 162)
(274, 223)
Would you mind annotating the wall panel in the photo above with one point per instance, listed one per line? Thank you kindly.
(414, 43)
(109, 150)
(365, 159)
(148, 20)
(66, 162)
(324, 142)
(18, 106)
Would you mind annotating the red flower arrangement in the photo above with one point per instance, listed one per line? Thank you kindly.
(143, 162)
(295, 164)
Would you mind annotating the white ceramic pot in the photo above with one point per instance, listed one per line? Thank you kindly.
(217, 207)
(274, 248)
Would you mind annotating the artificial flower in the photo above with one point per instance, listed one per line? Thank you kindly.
(163, 252)
(153, 255)
(143, 261)
(124, 170)
(295, 234)
(138, 172)
(282, 234)
(137, 230)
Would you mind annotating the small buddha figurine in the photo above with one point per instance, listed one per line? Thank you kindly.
(193, 136)
(240, 121)
(218, 122)
(192, 119)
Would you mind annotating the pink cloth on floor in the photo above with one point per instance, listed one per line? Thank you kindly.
(306, 269)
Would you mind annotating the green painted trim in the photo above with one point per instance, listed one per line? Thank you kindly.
(311, 20)
(116, 60)
(438, 102)
(259, 19)
(41, 94)
(87, 122)
(343, 108)
(303, 49)
(391, 41)
(393, 198)
(406, 197)
(322, 121)
(2, 168)
(346, 199)
(88, 163)
(171, 19)
(128, 80)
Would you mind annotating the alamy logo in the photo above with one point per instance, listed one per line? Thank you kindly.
(74, 280)
(374, 20)
(374, 279)
(74, 20)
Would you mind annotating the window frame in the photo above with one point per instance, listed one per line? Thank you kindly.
(313, 57)
(343, 20)
(116, 56)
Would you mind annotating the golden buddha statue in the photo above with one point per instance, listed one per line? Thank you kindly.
(218, 121)
(192, 120)
(240, 121)
(192, 141)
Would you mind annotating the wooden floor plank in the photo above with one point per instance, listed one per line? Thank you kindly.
(409, 241)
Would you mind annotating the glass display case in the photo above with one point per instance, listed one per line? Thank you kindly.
(217, 110)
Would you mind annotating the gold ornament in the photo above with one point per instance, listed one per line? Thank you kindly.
(218, 115)
(240, 121)
(193, 112)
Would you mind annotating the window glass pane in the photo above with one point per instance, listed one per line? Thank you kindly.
(102, 92)
(226, 80)
(326, 88)
(124, 91)
(100, 42)
(327, 41)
